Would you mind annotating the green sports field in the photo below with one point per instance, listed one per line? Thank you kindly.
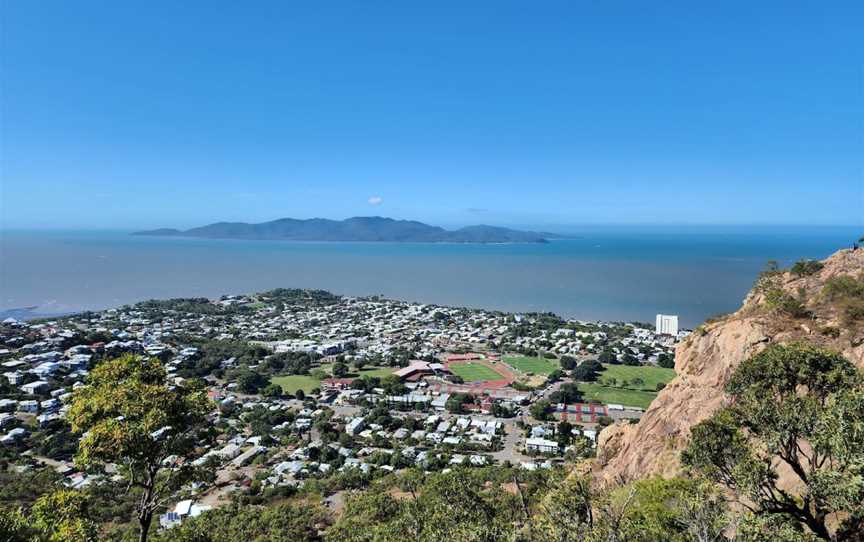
(537, 366)
(632, 386)
(292, 383)
(472, 372)
(650, 376)
(616, 396)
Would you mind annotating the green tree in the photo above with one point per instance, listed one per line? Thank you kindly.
(567, 393)
(63, 516)
(250, 381)
(564, 434)
(455, 401)
(607, 356)
(667, 361)
(130, 416)
(340, 369)
(14, 527)
(541, 409)
(568, 363)
(272, 390)
(800, 407)
(587, 372)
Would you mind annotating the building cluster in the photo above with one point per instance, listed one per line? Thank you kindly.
(342, 428)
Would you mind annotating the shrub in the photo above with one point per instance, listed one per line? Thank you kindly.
(847, 294)
(804, 268)
(786, 303)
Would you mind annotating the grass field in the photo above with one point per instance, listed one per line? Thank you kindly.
(538, 366)
(472, 372)
(379, 372)
(616, 396)
(635, 394)
(292, 383)
(650, 376)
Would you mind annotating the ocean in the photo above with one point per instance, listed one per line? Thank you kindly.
(602, 273)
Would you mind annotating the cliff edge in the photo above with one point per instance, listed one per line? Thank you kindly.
(820, 302)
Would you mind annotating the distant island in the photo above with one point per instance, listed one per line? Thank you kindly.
(361, 229)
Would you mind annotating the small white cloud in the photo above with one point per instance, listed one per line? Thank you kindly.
(376, 200)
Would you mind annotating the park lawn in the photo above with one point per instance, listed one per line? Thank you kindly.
(651, 376)
(616, 396)
(291, 383)
(472, 372)
(380, 372)
(538, 366)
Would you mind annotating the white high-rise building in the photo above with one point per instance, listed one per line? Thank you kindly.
(667, 324)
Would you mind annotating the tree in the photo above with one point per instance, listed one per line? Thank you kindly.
(607, 356)
(63, 516)
(802, 408)
(803, 268)
(667, 361)
(300, 394)
(250, 381)
(340, 369)
(454, 402)
(567, 393)
(393, 385)
(130, 416)
(568, 363)
(272, 390)
(540, 410)
(587, 371)
(564, 434)
(630, 359)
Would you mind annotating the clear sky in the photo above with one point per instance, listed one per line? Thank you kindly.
(146, 114)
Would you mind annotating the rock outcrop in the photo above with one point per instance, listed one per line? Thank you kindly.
(706, 359)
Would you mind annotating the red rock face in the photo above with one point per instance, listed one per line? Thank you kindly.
(707, 358)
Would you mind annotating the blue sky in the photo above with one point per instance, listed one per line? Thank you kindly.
(127, 115)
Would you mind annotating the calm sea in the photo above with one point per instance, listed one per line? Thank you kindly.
(604, 273)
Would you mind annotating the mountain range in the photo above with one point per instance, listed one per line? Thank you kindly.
(365, 229)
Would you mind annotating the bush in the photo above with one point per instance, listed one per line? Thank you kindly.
(781, 301)
(804, 268)
(847, 294)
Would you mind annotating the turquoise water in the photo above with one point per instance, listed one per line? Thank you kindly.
(604, 273)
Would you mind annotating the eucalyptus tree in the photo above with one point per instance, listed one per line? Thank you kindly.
(130, 416)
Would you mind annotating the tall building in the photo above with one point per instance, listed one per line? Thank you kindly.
(667, 324)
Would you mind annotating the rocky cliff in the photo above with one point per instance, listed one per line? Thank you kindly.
(820, 305)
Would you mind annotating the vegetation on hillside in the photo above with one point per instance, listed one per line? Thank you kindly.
(802, 408)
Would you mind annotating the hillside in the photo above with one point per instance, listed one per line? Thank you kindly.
(364, 229)
(824, 308)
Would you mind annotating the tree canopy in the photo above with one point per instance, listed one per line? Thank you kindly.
(798, 408)
(129, 415)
